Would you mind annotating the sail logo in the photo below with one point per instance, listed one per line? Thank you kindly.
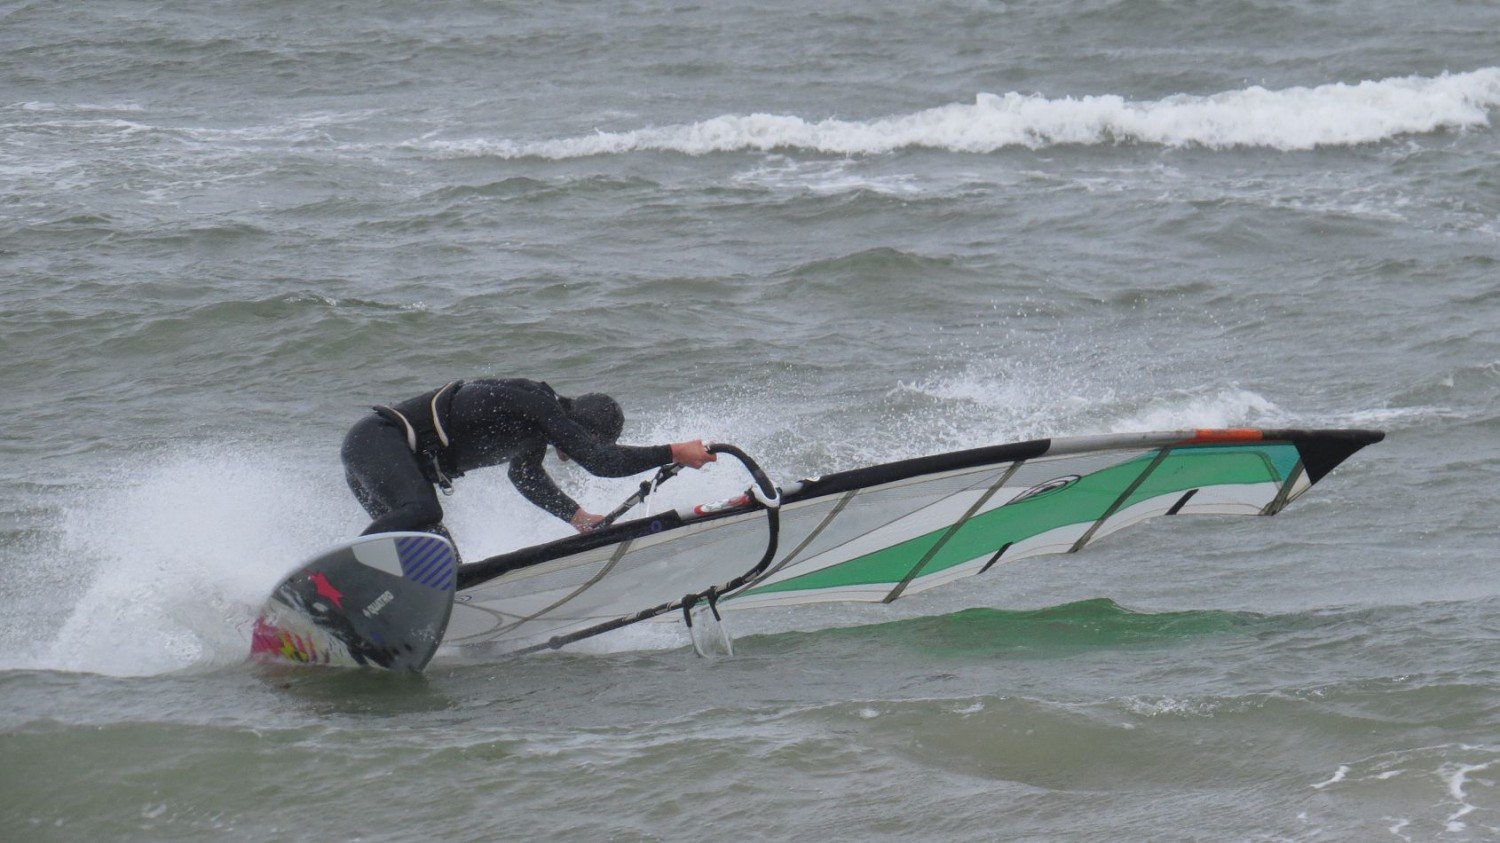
(1047, 488)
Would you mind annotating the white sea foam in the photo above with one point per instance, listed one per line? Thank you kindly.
(825, 178)
(171, 557)
(990, 402)
(1458, 776)
(1226, 406)
(1298, 118)
(1428, 791)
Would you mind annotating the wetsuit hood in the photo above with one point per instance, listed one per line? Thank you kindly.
(599, 414)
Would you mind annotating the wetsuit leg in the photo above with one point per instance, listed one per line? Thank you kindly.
(386, 480)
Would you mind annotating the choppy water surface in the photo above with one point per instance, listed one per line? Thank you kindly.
(835, 235)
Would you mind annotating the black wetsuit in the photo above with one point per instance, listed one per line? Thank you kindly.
(489, 422)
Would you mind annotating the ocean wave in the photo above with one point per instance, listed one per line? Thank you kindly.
(1297, 118)
(1047, 632)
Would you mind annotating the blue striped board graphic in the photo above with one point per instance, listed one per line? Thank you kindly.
(427, 562)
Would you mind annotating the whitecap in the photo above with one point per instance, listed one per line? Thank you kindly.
(1298, 118)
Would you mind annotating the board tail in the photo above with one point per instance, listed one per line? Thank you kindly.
(382, 600)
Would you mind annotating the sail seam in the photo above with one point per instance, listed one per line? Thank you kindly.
(1161, 456)
(951, 532)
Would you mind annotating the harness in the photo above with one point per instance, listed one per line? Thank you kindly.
(424, 419)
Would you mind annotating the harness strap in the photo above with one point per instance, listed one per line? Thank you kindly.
(441, 402)
(424, 419)
(392, 415)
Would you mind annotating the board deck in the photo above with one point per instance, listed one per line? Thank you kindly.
(380, 601)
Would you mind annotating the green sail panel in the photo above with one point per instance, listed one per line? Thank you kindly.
(879, 532)
(1080, 501)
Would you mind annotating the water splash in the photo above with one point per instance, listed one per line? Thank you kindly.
(1298, 118)
(164, 559)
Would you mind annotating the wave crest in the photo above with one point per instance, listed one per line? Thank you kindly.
(1298, 118)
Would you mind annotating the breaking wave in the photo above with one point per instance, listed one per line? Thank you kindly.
(1297, 118)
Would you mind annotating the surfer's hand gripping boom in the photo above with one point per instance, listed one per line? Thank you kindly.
(694, 453)
(691, 454)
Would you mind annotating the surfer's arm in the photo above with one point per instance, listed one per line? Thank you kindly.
(601, 459)
(537, 486)
(605, 459)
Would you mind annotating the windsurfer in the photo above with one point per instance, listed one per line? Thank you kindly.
(394, 456)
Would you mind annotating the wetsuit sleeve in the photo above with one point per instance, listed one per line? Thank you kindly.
(537, 486)
(620, 460)
(597, 458)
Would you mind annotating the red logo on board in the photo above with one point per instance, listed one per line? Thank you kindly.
(326, 589)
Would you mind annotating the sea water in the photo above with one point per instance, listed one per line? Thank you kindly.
(834, 234)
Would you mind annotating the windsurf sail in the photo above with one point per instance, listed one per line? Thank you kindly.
(878, 533)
